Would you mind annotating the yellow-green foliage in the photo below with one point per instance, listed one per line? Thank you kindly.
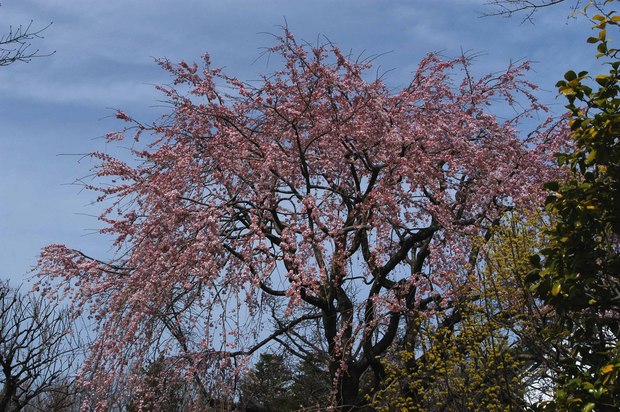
(474, 364)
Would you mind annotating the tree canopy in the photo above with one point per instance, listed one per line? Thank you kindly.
(316, 211)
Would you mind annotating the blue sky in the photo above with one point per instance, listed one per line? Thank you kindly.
(56, 108)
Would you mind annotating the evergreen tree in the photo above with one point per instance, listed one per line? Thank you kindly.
(578, 274)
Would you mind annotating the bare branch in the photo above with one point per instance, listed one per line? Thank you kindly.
(528, 8)
(37, 348)
(15, 46)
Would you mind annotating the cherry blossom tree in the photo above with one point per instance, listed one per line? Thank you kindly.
(315, 210)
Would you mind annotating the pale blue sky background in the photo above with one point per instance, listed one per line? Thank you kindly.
(55, 108)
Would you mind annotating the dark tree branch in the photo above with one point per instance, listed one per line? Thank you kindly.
(37, 348)
(15, 46)
(508, 8)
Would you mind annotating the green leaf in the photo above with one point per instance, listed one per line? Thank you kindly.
(602, 79)
(570, 75)
(531, 277)
(553, 186)
(589, 406)
(591, 157)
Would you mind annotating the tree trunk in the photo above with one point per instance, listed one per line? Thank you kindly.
(348, 389)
